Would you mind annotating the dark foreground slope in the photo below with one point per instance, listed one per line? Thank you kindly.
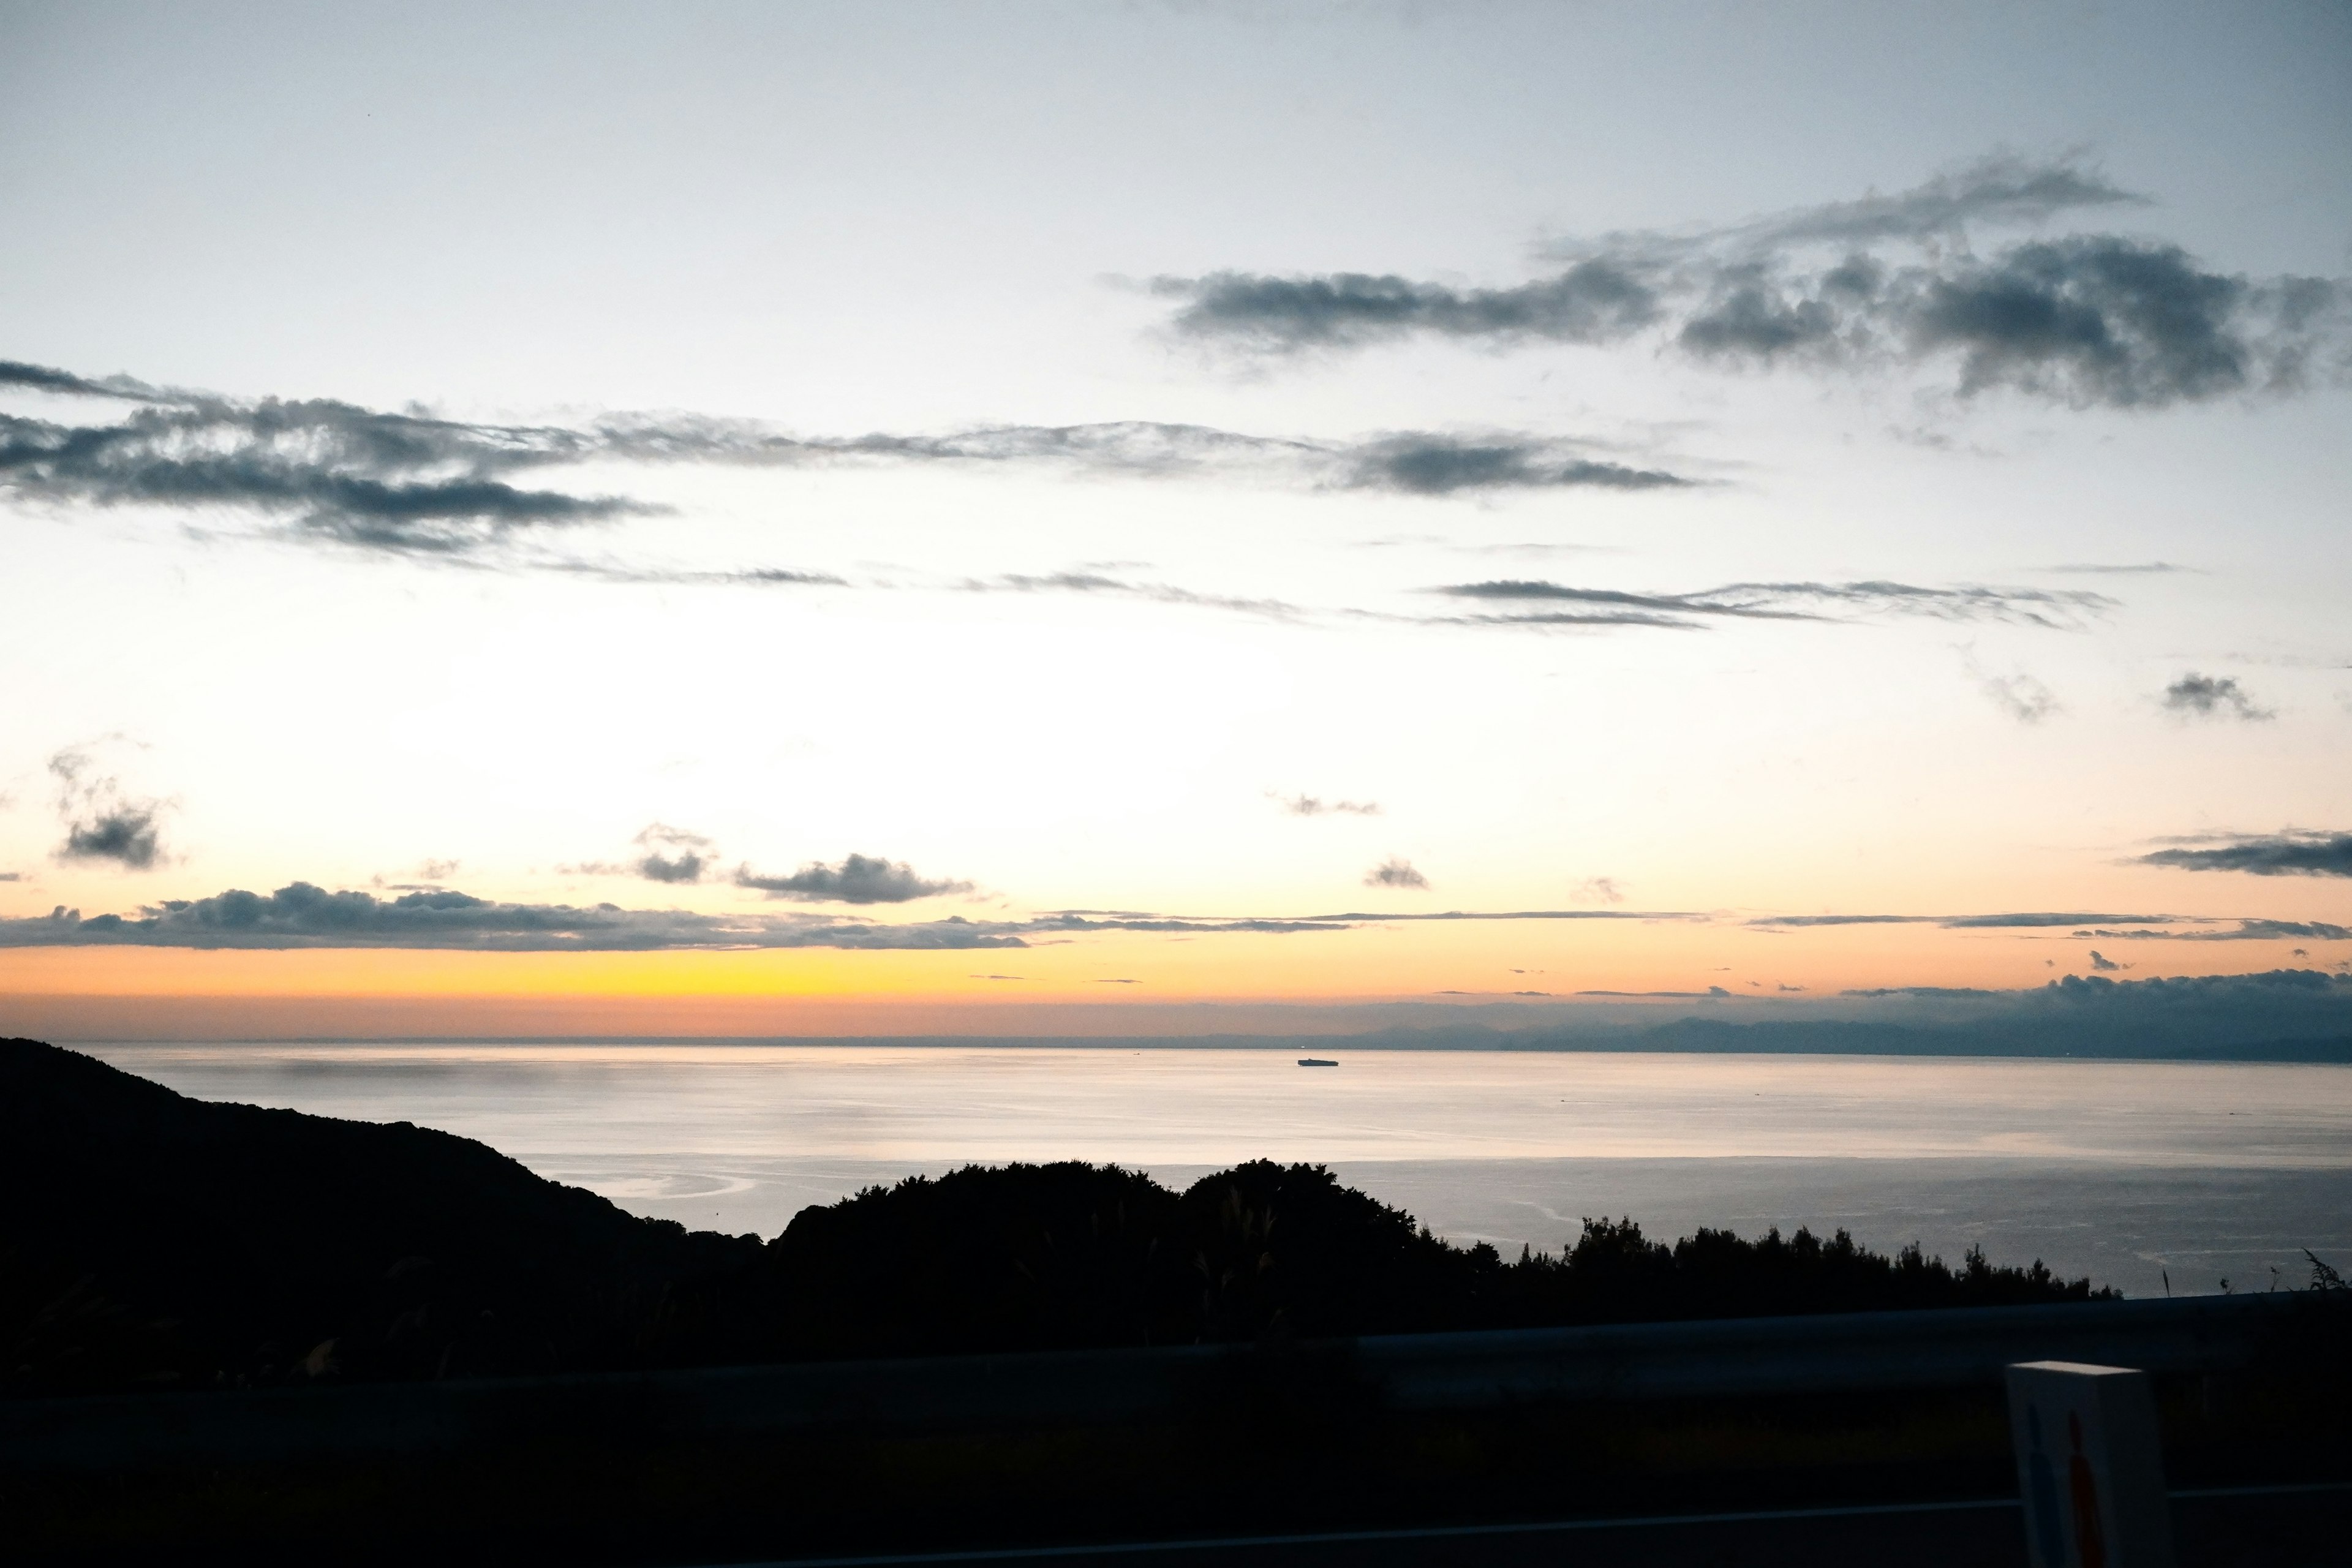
(148, 1239)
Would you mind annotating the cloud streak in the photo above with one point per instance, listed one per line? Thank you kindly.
(329, 471)
(1566, 605)
(1091, 583)
(2290, 854)
(302, 915)
(1965, 922)
(2081, 319)
(2244, 930)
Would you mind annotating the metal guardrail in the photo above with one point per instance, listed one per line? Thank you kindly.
(1736, 1357)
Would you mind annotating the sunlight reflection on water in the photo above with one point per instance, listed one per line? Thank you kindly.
(2114, 1167)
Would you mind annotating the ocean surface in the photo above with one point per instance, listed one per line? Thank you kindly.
(2148, 1176)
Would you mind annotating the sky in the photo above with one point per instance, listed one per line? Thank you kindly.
(1165, 519)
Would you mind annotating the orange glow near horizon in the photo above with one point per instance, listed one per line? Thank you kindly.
(1109, 984)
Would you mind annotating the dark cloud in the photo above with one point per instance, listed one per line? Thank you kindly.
(2102, 319)
(12, 875)
(2104, 964)
(859, 880)
(2083, 320)
(332, 470)
(1315, 805)
(2055, 609)
(1444, 465)
(415, 484)
(42, 378)
(2212, 696)
(1394, 872)
(101, 822)
(125, 835)
(1593, 301)
(302, 915)
(672, 854)
(2264, 854)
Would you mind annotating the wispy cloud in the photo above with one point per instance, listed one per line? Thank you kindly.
(858, 879)
(2018, 694)
(2214, 697)
(2244, 930)
(412, 483)
(2134, 568)
(1156, 592)
(2089, 927)
(2081, 319)
(2289, 854)
(1316, 805)
(2063, 609)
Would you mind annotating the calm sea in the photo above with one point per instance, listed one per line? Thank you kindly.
(2132, 1172)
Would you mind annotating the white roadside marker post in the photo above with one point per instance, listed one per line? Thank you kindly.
(2088, 1465)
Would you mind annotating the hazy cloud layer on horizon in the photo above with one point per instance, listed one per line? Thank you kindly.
(303, 915)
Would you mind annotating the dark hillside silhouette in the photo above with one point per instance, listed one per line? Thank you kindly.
(148, 1236)
(150, 1239)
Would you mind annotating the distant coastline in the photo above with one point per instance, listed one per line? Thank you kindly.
(2294, 1016)
(1689, 1037)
